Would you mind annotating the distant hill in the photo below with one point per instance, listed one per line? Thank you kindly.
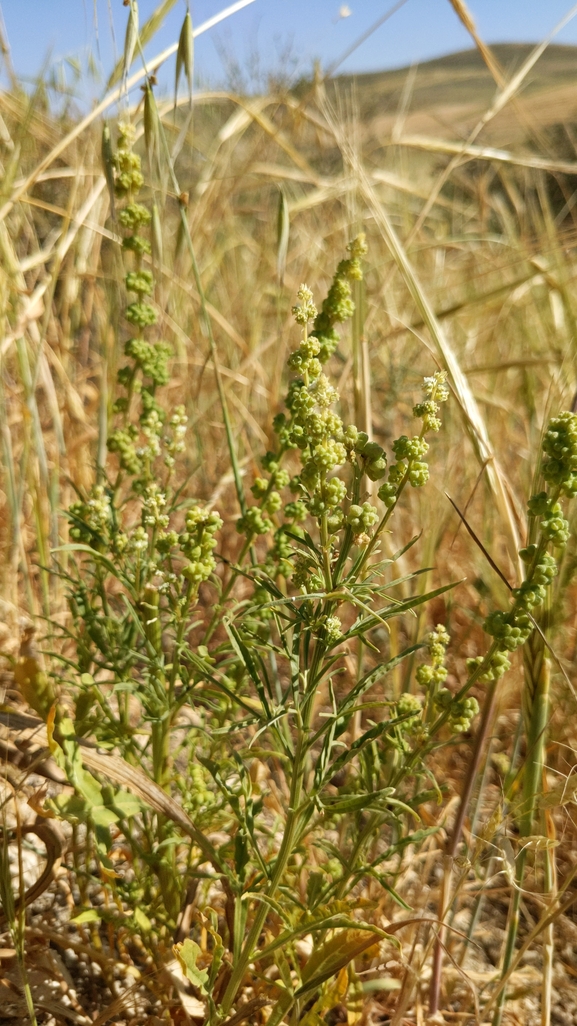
(449, 92)
(463, 77)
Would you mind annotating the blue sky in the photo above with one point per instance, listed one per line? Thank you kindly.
(305, 29)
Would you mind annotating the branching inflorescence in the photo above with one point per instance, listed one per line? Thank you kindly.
(313, 427)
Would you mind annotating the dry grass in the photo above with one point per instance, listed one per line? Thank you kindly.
(486, 290)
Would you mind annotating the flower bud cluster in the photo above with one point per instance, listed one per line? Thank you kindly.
(434, 673)
(127, 165)
(197, 543)
(461, 710)
(372, 456)
(177, 426)
(197, 794)
(133, 216)
(410, 707)
(560, 446)
(305, 310)
(339, 306)
(432, 676)
(91, 520)
(315, 429)
(151, 359)
(498, 665)
(153, 506)
(123, 443)
(553, 525)
(329, 629)
(361, 518)
(512, 628)
(148, 368)
(409, 452)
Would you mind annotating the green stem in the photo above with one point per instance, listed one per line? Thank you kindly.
(536, 715)
(326, 550)
(284, 854)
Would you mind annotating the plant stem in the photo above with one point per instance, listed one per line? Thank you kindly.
(454, 841)
(285, 851)
(535, 712)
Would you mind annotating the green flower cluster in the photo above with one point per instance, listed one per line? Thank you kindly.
(512, 628)
(196, 792)
(149, 367)
(410, 707)
(498, 665)
(328, 628)
(315, 429)
(133, 216)
(461, 710)
(151, 359)
(197, 543)
(323, 488)
(127, 167)
(339, 306)
(94, 521)
(91, 520)
(560, 446)
(372, 457)
(554, 526)
(409, 452)
(123, 443)
(433, 674)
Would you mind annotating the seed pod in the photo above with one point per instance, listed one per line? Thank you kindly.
(131, 37)
(283, 229)
(185, 55)
(151, 127)
(108, 164)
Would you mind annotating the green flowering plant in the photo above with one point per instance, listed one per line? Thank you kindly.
(523, 625)
(511, 628)
(265, 677)
(141, 556)
(323, 489)
(318, 577)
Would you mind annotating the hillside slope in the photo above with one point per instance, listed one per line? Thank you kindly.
(448, 94)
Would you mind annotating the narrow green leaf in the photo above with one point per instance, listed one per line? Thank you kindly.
(89, 915)
(370, 735)
(388, 612)
(336, 953)
(249, 663)
(98, 557)
(354, 803)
